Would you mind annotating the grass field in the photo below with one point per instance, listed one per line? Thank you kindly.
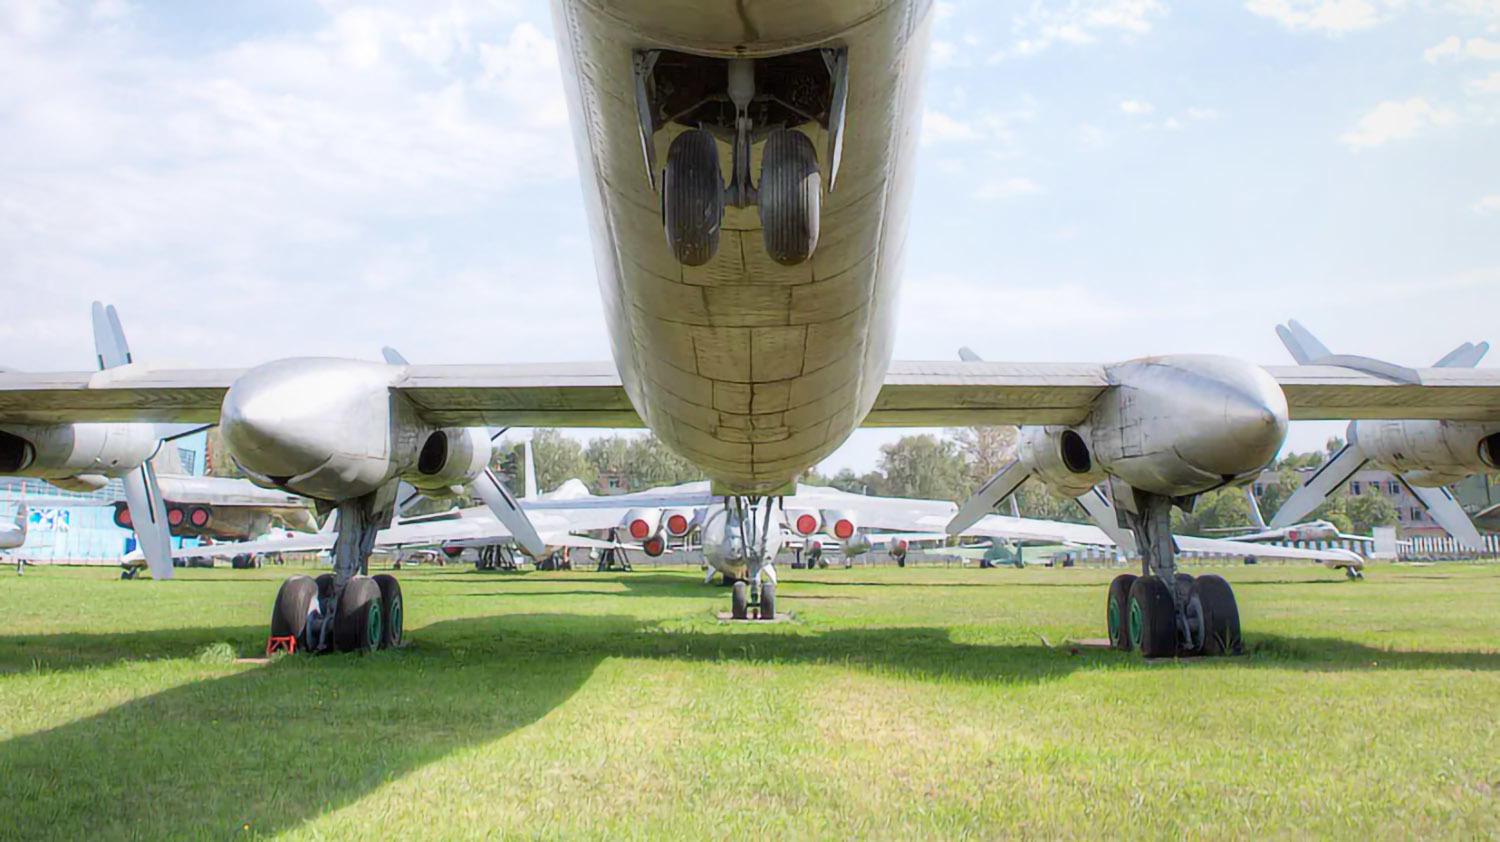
(905, 704)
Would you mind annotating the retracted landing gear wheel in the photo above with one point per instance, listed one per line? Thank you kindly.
(1117, 612)
(1152, 618)
(392, 610)
(768, 601)
(1221, 616)
(356, 619)
(289, 612)
(790, 196)
(739, 600)
(692, 197)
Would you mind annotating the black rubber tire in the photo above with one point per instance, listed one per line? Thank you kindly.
(768, 601)
(393, 611)
(289, 611)
(790, 196)
(1117, 612)
(1221, 616)
(739, 600)
(357, 619)
(1151, 606)
(901, 561)
(692, 197)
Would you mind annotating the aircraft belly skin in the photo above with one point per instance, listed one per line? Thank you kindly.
(751, 369)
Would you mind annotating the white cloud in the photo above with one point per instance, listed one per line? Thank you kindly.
(1489, 84)
(1487, 204)
(1326, 16)
(1078, 22)
(1455, 47)
(1136, 107)
(1393, 120)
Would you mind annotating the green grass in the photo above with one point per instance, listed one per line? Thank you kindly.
(903, 704)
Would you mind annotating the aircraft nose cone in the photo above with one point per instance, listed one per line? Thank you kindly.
(1244, 424)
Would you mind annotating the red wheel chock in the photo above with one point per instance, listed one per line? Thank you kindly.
(281, 643)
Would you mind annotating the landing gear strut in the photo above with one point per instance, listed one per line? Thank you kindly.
(1162, 612)
(346, 610)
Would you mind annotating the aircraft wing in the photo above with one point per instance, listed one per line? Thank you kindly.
(960, 393)
(1027, 529)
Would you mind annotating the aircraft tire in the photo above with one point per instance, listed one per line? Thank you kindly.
(1221, 616)
(357, 619)
(1117, 611)
(289, 611)
(768, 601)
(790, 196)
(393, 611)
(739, 600)
(1152, 618)
(692, 197)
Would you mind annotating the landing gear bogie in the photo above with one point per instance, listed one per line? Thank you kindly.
(1152, 618)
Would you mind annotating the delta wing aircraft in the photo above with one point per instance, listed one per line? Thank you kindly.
(747, 170)
(1425, 455)
(1307, 530)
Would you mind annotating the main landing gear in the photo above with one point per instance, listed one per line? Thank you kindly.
(1162, 612)
(788, 195)
(346, 610)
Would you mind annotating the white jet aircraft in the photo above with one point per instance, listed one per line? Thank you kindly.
(751, 314)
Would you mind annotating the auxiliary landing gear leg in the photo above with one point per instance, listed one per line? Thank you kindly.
(1162, 612)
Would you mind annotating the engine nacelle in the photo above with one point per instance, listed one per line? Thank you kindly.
(641, 524)
(804, 522)
(1429, 453)
(326, 428)
(77, 453)
(677, 522)
(1059, 457)
(841, 524)
(82, 483)
(1181, 425)
(451, 457)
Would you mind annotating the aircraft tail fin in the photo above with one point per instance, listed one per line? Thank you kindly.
(392, 356)
(1466, 355)
(109, 337)
(1256, 519)
(529, 470)
(1300, 343)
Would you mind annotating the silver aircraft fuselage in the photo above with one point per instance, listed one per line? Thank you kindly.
(751, 369)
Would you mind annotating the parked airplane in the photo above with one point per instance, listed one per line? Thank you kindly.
(1424, 455)
(13, 535)
(220, 508)
(751, 343)
(1307, 530)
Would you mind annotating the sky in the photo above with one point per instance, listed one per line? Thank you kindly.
(254, 179)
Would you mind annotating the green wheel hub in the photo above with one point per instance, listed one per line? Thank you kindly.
(372, 623)
(1112, 619)
(395, 619)
(1135, 623)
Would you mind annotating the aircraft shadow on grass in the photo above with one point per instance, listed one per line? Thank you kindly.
(241, 752)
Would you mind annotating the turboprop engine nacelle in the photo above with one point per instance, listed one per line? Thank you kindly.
(1185, 424)
(843, 525)
(77, 457)
(326, 428)
(804, 522)
(1429, 453)
(450, 457)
